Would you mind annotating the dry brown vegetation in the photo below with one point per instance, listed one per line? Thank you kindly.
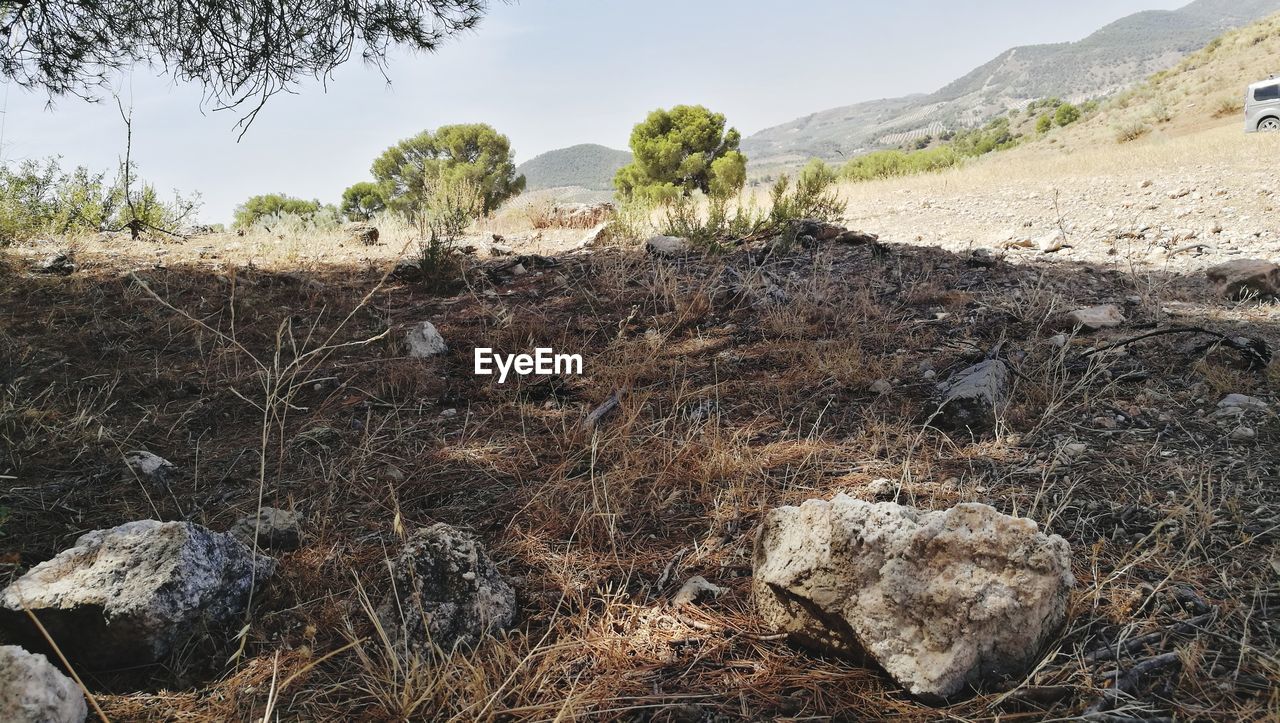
(283, 382)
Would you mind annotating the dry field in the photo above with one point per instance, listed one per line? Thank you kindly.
(273, 372)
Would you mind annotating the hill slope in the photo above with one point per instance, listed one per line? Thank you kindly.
(1107, 61)
(587, 165)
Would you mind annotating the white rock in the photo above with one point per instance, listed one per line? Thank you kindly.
(132, 594)
(447, 592)
(150, 467)
(1094, 318)
(881, 386)
(32, 690)
(941, 600)
(667, 246)
(695, 590)
(424, 341)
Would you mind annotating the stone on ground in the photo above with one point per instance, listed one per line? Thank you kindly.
(1094, 318)
(448, 592)
(668, 246)
(695, 590)
(275, 529)
(941, 600)
(970, 397)
(424, 341)
(32, 690)
(1242, 278)
(132, 594)
(151, 467)
(361, 233)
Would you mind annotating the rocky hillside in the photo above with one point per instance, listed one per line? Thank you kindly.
(1107, 61)
(588, 166)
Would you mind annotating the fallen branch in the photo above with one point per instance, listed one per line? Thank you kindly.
(1254, 351)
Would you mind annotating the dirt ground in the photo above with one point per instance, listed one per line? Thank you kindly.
(746, 382)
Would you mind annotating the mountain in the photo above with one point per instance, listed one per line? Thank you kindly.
(1109, 60)
(588, 166)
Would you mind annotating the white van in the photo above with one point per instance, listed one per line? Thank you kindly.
(1262, 106)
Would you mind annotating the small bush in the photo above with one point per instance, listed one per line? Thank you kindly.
(813, 196)
(684, 218)
(1228, 106)
(1044, 123)
(539, 213)
(38, 197)
(890, 164)
(1066, 115)
(1132, 131)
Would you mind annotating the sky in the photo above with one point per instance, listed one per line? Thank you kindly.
(548, 74)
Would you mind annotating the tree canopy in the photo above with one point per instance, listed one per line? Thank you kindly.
(682, 150)
(474, 154)
(238, 51)
(362, 200)
(268, 204)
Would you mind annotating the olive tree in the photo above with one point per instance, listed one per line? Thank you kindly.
(679, 151)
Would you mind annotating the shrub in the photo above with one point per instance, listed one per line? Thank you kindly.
(1044, 123)
(683, 218)
(38, 197)
(1132, 131)
(474, 154)
(813, 196)
(1066, 115)
(888, 164)
(258, 207)
(1228, 106)
(679, 151)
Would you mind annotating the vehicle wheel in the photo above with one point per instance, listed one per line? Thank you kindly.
(1269, 125)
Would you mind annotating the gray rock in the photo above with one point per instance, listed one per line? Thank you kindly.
(57, 265)
(131, 594)
(881, 386)
(1233, 405)
(275, 529)
(941, 600)
(32, 690)
(696, 590)
(668, 246)
(1243, 434)
(1242, 278)
(500, 250)
(969, 399)
(424, 341)
(151, 468)
(1094, 318)
(447, 592)
(362, 233)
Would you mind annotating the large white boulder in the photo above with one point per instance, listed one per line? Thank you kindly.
(941, 600)
(132, 594)
(447, 592)
(32, 690)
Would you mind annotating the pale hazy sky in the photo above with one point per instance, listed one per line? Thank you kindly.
(549, 74)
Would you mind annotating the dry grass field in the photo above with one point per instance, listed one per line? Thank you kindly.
(275, 373)
(272, 369)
